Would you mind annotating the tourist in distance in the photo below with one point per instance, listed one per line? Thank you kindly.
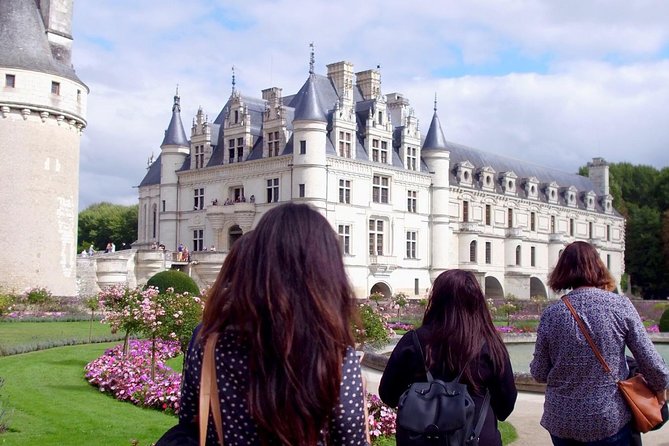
(287, 372)
(583, 404)
(457, 335)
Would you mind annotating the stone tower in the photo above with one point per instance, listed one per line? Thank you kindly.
(42, 114)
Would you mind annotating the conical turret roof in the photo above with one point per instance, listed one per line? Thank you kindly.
(435, 136)
(307, 104)
(175, 135)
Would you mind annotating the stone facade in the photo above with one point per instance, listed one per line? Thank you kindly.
(406, 206)
(42, 114)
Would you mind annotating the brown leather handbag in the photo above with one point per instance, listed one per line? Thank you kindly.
(642, 401)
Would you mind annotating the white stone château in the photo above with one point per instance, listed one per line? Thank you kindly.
(42, 114)
(406, 207)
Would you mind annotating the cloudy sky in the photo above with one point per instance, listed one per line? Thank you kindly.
(552, 82)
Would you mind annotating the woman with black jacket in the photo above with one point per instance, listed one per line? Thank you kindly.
(457, 335)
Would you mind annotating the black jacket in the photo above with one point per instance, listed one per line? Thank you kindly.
(405, 367)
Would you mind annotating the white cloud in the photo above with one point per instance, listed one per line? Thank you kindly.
(600, 90)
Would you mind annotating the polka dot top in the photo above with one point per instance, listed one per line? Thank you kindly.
(239, 428)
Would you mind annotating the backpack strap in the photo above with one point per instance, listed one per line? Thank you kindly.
(416, 344)
(483, 413)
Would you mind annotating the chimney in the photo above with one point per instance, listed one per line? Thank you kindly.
(57, 18)
(369, 83)
(341, 75)
(598, 172)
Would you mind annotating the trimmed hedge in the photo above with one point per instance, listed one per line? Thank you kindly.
(181, 282)
(664, 322)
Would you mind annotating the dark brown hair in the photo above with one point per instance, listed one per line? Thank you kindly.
(580, 265)
(459, 323)
(287, 293)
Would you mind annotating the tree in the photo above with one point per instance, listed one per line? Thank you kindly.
(102, 223)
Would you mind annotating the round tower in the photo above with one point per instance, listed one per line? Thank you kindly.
(436, 155)
(309, 147)
(42, 114)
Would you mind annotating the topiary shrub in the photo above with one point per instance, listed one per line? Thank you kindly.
(181, 282)
(664, 322)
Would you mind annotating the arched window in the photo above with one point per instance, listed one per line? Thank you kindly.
(518, 255)
(145, 222)
(155, 221)
(472, 251)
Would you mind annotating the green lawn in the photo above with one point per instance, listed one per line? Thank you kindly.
(19, 337)
(54, 405)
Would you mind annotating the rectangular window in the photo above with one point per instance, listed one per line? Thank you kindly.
(199, 157)
(488, 253)
(608, 233)
(533, 221)
(411, 244)
(238, 194)
(384, 152)
(198, 198)
(231, 150)
(375, 150)
(345, 144)
(302, 192)
(533, 256)
(416, 286)
(510, 218)
(412, 199)
(344, 232)
(488, 214)
(591, 233)
(375, 237)
(552, 224)
(272, 144)
(411, 158)
(55, 88)
(571, 227)
(345, 191)
(465, 211)
(10, 80)
(380, 189)
(240, 150)
(303, 147)
(273, 190)
(163, 205)
(198, 239)
(608, 261)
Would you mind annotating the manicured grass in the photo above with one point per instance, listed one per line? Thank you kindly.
(507, 430)
(53, 404)
(19, 337)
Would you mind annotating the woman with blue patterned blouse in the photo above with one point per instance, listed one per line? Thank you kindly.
(583, 404)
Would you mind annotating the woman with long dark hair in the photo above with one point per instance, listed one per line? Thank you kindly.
(583, 404)
(286, 368)
(457, 336)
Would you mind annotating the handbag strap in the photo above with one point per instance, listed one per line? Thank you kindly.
(209, 392)
(584, 330)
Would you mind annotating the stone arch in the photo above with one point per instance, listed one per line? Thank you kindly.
(493, 289)
(383, 288)
(537, 287)
(234, 233)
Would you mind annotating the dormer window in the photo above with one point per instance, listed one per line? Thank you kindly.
(551, 191)
(607, 204)
(569, 194)
(589, 200)
(509, 182)
(464, 173)
(236, 117)
(487, 178)
(532, 188)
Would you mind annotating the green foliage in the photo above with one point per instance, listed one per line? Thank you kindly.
(182, 313)
(376, 298)
(172, 278)
(400, 301)
(102, 223)
(4, 412)
(509, 307)
(6, 302)
(38, 296)
(373, 330)
(664, 322)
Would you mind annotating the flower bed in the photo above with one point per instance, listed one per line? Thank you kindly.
(129, 378)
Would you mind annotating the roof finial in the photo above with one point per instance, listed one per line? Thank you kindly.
(176, 100)
(435, 101)
(311, 58)
(233, 79)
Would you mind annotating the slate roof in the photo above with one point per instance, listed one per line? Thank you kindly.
(306, 103)
(435, 135)
(175, 134)
(23, 41)
(153, 174)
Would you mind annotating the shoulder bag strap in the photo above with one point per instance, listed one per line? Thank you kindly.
(483, 413)
(584, 330)
(416, 344)
(209, 392)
